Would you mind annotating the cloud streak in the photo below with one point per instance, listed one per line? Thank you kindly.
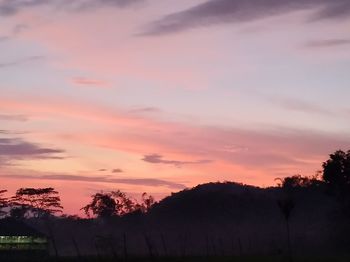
(259, 149)
(158, 159)
(21, 61)
(300, 105)
(152, 182)
(328, 43)
(16, 149)
(8, 8)
(83, 81)
(4, 38)
(117, 170)
(235, 11)
(20, 118)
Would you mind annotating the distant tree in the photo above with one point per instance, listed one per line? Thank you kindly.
(298, 181)
(37, 202)
(147, 202)
(102, 205)
(115, 203)
(3, 203)
(125, 204)
(336, 174)
(336, 171)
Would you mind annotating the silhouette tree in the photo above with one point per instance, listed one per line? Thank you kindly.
(102, 205)
(298, 181)
(147, 202)
(114, 203)
(336, 174)
(125, 204)
(3, 203)
(336, 171)
(37, 202)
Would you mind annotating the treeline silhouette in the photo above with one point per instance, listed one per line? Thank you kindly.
(300, 216)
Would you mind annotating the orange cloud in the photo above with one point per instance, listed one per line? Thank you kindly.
(176, 150)
(288, 150)
(83, 81)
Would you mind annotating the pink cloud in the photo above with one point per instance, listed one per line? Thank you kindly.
(252, 149)
(243, 155)
(83, 81)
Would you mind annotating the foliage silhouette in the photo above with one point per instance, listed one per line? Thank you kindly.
(116, 204)
(102, 205)
(336, 171)
(336, 174)
(298, 181)
(36, 202)
(147, 202)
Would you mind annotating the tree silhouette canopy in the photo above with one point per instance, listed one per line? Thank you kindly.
(102, 205)
(116, 203)
(336, 171)
(37, 202)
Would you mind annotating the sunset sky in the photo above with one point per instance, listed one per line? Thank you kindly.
(160, 95)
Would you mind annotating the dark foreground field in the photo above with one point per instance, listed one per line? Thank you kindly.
(185, 259)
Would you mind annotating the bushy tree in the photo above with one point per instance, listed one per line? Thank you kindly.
(102, 205)
(336, 171)
(298, 181)
(115, 203)
(37, 202)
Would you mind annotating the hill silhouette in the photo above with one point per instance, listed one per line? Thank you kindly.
(214, 219)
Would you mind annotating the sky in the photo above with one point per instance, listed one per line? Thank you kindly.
(160, 95)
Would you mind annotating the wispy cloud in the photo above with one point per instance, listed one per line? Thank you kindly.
(20, 118)
(8, 8)
(21, 61)
(117, 170)
(259, 149)
(12, 149)
(234, 11)
(328, 43)
(152, 182)
(300, 105)
(158, 159)
(83, 81)
(145, 110)
(4, 38)
(19, 28)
